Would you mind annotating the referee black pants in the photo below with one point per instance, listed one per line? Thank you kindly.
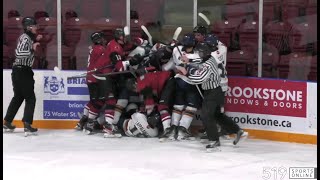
(23, 89)
(213, 99)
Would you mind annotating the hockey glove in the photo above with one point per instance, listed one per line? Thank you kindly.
(153, 119)
(135, 60)
(115, 57)
(141, 71)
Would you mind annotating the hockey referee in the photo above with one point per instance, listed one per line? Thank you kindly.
(209, 75)
(22, 77)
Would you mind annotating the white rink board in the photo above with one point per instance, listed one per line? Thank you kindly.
(273, 123)
(43, 94)
(65, 102)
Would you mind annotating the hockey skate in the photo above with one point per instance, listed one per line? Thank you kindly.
(184, 134)
(213, 146)
(169, 133)
(111, 131)
(81, 122)
(224, 135)
(204, 137)
(201, 131)
(29, 130)
(8, 127)
(88, 127)
(241, 135)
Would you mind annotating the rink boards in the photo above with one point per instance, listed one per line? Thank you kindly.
(273, 109)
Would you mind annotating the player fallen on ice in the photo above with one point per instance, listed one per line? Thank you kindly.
(158, 90)
(137, 124)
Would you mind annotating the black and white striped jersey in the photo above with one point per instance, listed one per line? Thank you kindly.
(24, 52)
(207, 74)
(220, 56)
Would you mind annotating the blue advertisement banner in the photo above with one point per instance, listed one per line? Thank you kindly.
(58, 109)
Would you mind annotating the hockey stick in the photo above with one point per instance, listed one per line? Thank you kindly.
(177, 33)
(133, 71)
(145, 30)
(57, 70)
(88, 72)
(205, 18)
(126, 31)
(174, 39)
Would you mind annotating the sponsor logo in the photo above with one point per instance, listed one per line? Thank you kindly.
(77, 81)
(302, 173)
(275, 97)
(53, 85)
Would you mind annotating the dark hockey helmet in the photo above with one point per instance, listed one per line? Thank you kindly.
(203, 49)
(211, 40)
(97, 37)
(188, 40)
(118, 33)
(154, 119)
(200, 29)
(28, 21)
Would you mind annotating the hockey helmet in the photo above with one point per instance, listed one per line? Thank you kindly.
(211, 40)
(118, 33)
(97, 37)
(28, 21)
(200, 29)
(203, 50)
(154, 118)
(188, 40)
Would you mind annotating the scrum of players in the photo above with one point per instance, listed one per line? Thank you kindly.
(136, 87)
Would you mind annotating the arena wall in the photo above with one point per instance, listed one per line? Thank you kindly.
(273, 109)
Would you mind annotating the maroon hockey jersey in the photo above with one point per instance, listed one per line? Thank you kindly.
(155, 80)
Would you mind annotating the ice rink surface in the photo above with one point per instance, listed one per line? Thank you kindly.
(72, 155)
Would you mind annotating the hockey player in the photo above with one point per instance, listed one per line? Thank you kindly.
(200, 32)
(161, 59)
(96, 88)
(136, 124)
(125, 95)
(209, 75)
(158, 90)
(187, 99)
(113, 55)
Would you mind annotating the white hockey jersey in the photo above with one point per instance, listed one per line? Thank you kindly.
(176, 55)
(138, 126)
(220, 56)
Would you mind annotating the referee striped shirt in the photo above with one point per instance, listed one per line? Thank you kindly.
(24, 51)
(207, 74)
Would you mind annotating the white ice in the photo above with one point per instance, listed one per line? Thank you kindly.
(72, 155)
